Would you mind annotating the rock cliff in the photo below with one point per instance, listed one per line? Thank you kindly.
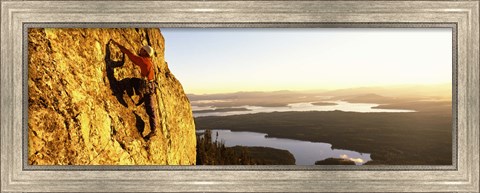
(84, 107)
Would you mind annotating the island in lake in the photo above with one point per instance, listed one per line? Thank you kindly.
(419, 134)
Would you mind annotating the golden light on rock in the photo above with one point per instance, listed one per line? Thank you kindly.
(82, 101)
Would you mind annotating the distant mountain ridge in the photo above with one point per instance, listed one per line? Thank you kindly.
(379, 95)
(400, 90)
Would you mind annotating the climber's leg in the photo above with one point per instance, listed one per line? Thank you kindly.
(149, 107)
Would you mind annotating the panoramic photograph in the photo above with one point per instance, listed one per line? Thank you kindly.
(240, 96)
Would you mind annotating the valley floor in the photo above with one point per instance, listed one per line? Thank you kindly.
(416, 138)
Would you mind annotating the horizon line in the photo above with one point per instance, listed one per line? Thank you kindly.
(321, 89)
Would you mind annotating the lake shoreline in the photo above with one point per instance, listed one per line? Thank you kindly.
(295, 107)
(381, 134)
(305, 152)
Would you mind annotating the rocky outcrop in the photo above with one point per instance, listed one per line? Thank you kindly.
(335, 161)
(84, 107)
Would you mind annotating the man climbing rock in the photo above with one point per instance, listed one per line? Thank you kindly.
(144, 61)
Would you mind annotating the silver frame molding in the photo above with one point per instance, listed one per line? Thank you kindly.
(462, 16)
(452, 26)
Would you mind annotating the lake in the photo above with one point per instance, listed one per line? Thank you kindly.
(305, 152)
(339, 105)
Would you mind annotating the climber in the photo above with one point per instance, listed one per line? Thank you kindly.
(144, 61)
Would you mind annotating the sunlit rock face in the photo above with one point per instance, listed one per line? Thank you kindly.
(83, 101)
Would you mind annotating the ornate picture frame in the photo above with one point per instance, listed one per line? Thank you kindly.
(461, 16)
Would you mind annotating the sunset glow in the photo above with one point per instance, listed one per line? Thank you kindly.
(231, 60)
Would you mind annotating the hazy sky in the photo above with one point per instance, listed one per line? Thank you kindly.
(228, 60)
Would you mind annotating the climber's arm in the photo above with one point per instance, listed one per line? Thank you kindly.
(134, 58)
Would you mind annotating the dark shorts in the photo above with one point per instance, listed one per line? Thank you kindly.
(148, 87)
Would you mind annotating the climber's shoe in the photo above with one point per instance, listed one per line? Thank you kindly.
(150, 135)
